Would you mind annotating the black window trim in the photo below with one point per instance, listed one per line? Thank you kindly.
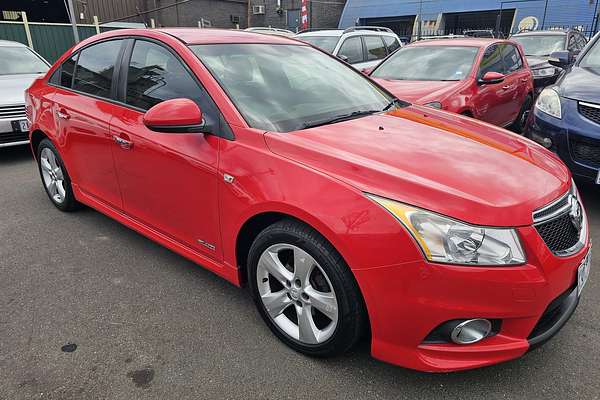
(120, 79)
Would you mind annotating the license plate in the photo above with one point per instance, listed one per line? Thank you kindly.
(20, 126)
(583, 272)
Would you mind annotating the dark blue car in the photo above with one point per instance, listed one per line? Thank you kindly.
(566, 116)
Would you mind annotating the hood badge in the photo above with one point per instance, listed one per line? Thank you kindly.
(228, 178)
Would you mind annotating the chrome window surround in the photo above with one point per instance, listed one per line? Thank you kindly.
(559, 207)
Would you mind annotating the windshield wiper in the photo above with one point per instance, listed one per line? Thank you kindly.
(394, 102)
(339, 118)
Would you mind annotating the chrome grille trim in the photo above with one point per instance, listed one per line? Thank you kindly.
(552, 210)
(12, 112)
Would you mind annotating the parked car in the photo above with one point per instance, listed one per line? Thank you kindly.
(360, 46)
(539, 45)
(19, 66)
(487, 79)
(566, 116)
(278, 166)
(271, 31)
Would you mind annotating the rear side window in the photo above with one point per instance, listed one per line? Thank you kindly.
(492, 61)
(391, 43)
(512, 58)
(352, 48)
(375, 48)
(95, 67)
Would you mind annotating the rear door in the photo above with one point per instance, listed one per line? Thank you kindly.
(83, 108)
(168, 180)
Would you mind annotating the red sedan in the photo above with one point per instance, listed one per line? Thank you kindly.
(346, 211)
(486, 79)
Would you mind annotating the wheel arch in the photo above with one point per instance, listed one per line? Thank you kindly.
(36, 138)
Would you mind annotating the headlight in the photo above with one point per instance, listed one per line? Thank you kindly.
(446, 240)
(435, 104)
(543, 72)
(549, 102)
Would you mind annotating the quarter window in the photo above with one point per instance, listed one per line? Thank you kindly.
(375, 48)
(391, 43)
(95, 67)
(352, 48)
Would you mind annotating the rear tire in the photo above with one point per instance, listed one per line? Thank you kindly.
(304, 290)
(55, 179)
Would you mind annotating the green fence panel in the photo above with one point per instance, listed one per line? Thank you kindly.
(14, 32)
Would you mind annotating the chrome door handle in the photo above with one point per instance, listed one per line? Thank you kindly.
(125, 144)
(506, 87)
(62, 115)
(525, 80)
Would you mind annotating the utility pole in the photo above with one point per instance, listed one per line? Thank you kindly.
(249, 12)
(73, 21)
(420, 27)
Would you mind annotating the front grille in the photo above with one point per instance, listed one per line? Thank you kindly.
(586, 150)
(559, 233)
(12, 112)
(13, 137)
(551, 208)
(590, 111)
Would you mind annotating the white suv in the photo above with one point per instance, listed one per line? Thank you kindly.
(361, 46)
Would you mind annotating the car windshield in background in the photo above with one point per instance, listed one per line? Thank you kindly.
(428, 63)
(592, 58)
(284, 88)
(326, 43)
(541, 45)
(20, 60)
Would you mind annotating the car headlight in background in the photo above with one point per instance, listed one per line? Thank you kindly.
(435, 104)
(543, 72)
(548, 102)
(446, 240)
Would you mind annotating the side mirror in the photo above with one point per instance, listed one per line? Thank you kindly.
(367, 71)
(560, 59)
(492, 78)
(343, 58)
(175, 116)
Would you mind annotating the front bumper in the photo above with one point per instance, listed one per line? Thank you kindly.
(572, 128)
(406, 302)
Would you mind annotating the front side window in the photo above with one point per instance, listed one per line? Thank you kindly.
(95, 67)
(352, 49)
(512, 58)
(592, 58)
(284, 88)
(435, 63)
(326, 43)
(492, 61)
(375, 48)
(541, 45)
(19, 60)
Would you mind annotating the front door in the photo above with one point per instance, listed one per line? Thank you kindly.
(168, 180)
(83, 112)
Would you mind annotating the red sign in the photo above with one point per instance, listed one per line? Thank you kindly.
(304, 15)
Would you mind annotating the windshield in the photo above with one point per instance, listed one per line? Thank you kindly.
(592, 57)
(326, 43)
(20, 60)
(284, 88)
(540, 45)
(428, 63)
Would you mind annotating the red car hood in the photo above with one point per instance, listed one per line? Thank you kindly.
(439, 161)
(420, 92)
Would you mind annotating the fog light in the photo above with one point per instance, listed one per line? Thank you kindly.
(471, 331)
(547, 142)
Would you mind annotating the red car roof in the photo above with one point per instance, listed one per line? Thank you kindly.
(205, 36)
(476, 42)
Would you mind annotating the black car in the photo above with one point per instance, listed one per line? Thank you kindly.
(539, 46)
(566, 116)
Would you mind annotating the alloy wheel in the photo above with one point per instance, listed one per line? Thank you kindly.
(297, 294)
(53, 176)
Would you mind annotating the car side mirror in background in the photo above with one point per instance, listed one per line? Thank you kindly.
(560, 59)
(175, 116)
(343, 58)
(492, 78)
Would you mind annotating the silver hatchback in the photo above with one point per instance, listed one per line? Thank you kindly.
(19, 67)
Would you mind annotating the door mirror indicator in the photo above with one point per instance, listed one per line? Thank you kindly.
(175, 116)
(560, 59)
(492, 78)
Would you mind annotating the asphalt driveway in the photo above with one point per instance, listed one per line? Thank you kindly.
(91, 310)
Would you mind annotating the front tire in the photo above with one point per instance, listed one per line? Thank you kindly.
(304, 290)
(55, 178)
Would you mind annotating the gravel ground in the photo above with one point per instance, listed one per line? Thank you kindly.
(91, 310)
